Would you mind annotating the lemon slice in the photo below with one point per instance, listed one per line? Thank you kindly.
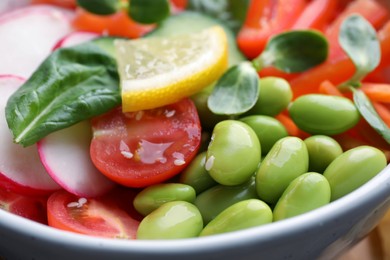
(159, 71)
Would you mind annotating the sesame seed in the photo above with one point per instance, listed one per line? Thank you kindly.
(209, 163)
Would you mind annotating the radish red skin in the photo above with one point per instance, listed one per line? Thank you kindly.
(28, 36)
(21, 170)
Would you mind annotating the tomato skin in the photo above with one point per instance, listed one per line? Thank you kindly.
(138, 149)
(111, 215)
(30, 207)
(266, 18)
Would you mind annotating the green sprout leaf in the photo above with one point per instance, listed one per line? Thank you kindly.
(148, 11)
(366, 109)
(359, 40)
(293, 51)
(236, 91)
(100, 7)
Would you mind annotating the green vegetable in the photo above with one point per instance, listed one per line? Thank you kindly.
(148, 11)
(241, 215)
(152, 197)
(322, 151)
(196, 175)
(305, 193)
(275, 95)
(268, 129)
(173, 220)
(213, 201)
(236, 91)
(100, 7)
(233, 154)
(287, 160)
(293, 51)
(365, 53)
(71, 85)
(354, 168)
(324, 114)
(229, 12)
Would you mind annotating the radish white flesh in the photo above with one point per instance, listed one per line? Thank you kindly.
(65, 154)
(8, 5)
(20, 168)
(28, 35)
(75, 38)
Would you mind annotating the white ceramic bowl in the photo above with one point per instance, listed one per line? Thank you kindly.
(320, 234)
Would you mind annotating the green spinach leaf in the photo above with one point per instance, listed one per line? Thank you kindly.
(71, 85)
(293, 51)
(359, 40)
(366, 109)
(236, 91)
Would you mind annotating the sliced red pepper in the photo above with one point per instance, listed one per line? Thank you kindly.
(266, 18)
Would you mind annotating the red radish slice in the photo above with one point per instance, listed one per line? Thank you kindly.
(75, 38)
(28, 36)
(8, 5)
(21, 170)
(65, 154)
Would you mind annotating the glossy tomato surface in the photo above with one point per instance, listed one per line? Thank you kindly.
(111, 215)
(141, 148)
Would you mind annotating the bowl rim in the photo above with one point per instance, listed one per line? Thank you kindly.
(40, 232)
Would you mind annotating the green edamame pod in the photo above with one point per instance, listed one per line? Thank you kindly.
(196, 175)
(286, 160)
(324, 114)
(175, 219)
(274, 96)
(305, 193)
(241, 215)
(216, 199)
(322, 151)
(234, 153)
(154, 196)
(268, 129)
(353, 168)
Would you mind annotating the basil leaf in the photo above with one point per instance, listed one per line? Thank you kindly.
(231, 12)
(100, 7)
(369, 113)
(236, 91)
(359, 40)
(71, 85)
(148, 11)
(293, 51)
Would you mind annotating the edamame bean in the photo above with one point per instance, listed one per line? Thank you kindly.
(234, 153)
(353, 168)
(175, 219)
(324, 114)
(322, 151)
(274, 96)
(286, 160)
(306, 192)
(268, 130)
(154, 196)
(216, 199)
(241, 215)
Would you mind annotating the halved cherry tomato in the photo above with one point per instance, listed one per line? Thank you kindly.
(146, 147)
(111, 215)
(30, 207)
(264, 19)
(62, 3)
